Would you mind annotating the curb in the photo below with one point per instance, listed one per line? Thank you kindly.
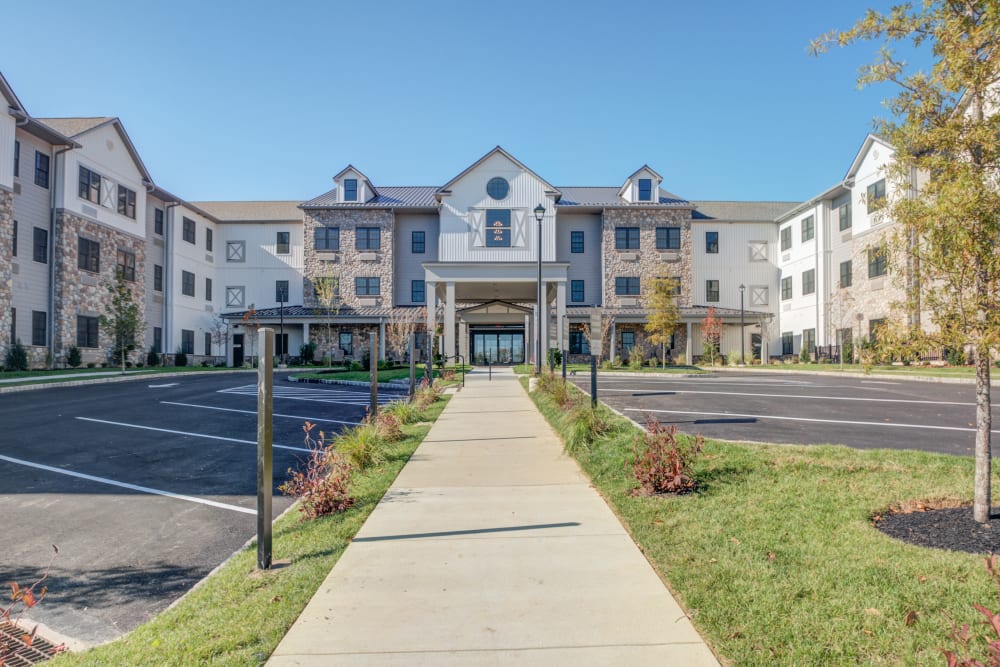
(877, 376)
(128, 378)
(390, 385)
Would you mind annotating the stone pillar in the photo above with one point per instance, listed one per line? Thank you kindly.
(612, 343)
(561, 315)
(687, 344)
(381, 339)
(6, 266)
(527, 335)
(543, 322)
(449, 319)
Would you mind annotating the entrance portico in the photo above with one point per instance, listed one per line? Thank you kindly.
(497, 288)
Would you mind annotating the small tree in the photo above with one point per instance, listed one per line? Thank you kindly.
(607, 326)
(219, 331)
(73, 358)
(249, 321)
(122, 317)
(711, 334)
(327, 291)
(400, 327)
(661, 300)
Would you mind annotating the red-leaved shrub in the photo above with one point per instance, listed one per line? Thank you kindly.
(323, 485)
(961, 634)
(662, 462)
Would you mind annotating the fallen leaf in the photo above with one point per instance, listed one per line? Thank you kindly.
(868, 632)
(734, 540)
(921, 578)
(658, 522)
(873, 611)
(911, 617)
(712, 560)
(771, 556)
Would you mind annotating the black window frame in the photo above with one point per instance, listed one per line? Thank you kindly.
(626, 340)
(712, 291)
(787, 343)
(847, 273)
(627, 286)
(577, 241)
(125, 263)
(13, 241)
(644, 186)
(208, 289)
(418, 291)
(809, 340)
(39, 327)
(158, 221)
(878, 262)
(844, 216)
(126, 201)
(88, 255)
(578, 341)
(363, 286)
(808, 228)
(875, 196)
(326, 239)
(627, 238)
(208, 344)
(89, 185)
(668, 238)
(873, 327)
(418, 242)
(17, 159)
(808, 282)
(345, 341)
(281, 290)
(187, 283)
(283, 243)
(363, 237)
(189, 231)
(350, 189)
(88, 332)
(40, 245)
(42, 170)
(209, 240)
(157, 278)
(187, 341)
(711, 243)
(786, 288)
(786, 238)
(158, 340)
(577, 291)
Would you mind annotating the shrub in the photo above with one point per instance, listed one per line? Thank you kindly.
(389, 426)
(17, 357)
(91, 364)
(448, 376)
(961, 635)
(180, 359)
(73, 358)
(585, 425)
(607, 365)
(653, 362)
(152, 357)
(734, 359)
(425, 395)
(362, 446)
(955, 357)
(406, 411)
(555, 357)
(324, 485)
(307, 351)
(636, 363)
(385, 365)
(662, 464)
(357, 366)
(804, 357)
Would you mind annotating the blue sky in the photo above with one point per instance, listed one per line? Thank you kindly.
(268, 100)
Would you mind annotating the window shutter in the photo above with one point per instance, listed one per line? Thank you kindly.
(476, 221)
(518, 232)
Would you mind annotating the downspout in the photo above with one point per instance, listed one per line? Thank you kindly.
(53, 182)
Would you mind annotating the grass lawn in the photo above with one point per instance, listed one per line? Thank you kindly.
(46, 376)
(527, 369)
(383, 376)
(777, 562)
(925, 371)
(235, 618)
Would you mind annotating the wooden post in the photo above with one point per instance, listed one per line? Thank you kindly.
(265, 480)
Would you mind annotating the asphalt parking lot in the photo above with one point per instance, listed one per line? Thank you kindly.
(793, 408)
(145, 486)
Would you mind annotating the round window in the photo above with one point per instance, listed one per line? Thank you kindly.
(497, 188)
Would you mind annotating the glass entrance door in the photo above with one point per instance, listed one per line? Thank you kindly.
(504, 347)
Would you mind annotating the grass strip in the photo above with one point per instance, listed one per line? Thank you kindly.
(776, 559)
(527, 369)
(234, 618)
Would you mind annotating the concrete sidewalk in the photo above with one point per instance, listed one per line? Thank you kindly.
(491, 548)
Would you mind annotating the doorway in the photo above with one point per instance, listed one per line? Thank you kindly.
(499, 345)
(237, 350)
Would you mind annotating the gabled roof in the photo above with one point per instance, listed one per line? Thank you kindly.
(11, 99)
(486, 304)
(645, 167)
(76, 127)
(865, 146)
(829, 193)
(446, 188)
(24, 119)
(413, 196)
(357, 171)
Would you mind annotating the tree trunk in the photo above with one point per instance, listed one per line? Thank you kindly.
(984, 423)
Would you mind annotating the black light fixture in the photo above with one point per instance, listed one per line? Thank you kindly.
(743, 353)
(539, 215)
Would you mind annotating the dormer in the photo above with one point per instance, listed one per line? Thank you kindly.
(642, 187)
(353, 187)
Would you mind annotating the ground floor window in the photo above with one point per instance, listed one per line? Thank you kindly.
(578, 342)
(786, 343)
(86, 331)
(208, 344)
(346, 343)
(157, 339)
(281, 343)
(809, 340)
(874, 326)
(627, 340)
(187, 341)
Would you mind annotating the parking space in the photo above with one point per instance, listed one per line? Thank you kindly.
(145, 486)
(799, 409)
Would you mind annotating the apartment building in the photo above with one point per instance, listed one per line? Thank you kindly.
(77, 205)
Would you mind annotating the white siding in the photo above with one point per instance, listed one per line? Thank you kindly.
(731, 266)
(194, 313)
(263, 266)
(7, 133)
(802, 311)
(406, 265)
(586, 266)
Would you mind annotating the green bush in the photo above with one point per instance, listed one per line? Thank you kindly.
(363, 446)
(385, 365)
(804, 357)
(152, 357)
(607, 365)
(17, 357)
(357, 366)
(73, 358)
(955, 357)
(635, 363)
(180, 359)
(585, 426)
(306, 352)
(406, 411)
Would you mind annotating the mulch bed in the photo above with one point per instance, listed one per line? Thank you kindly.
(951, 528)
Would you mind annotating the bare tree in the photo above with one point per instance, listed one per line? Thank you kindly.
(219, 331)
(400, 327)
(327, 290)
(251, 325)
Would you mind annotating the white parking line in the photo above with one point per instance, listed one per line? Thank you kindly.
(824, 398)
(125, 485)
(341, 396)
(807, 419)
(193, 435)
(711, 381)
(253, 412)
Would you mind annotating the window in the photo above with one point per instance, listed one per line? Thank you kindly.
(367, 238)
(668, 238)
(712, 243)
(346, 341)
(126, 202)
(350, 189)
(576, 242)
(576, 291)
(326, 238)
(157, 278)
(497, 228)
(367, 286)
(187, 283)
(236, 251)
(235, 296)
(208, 289)
(676, 282)
(498, 188)
(13, 241)
(188, 230)
(626, 238)
(89, 255)
(645, 189)
(418, 242)
(578, 343)
(876, 195)
(41, 169)
(158, 339)
(86, 331)
(89, 187)
(844, 212)
(809, 281)
(627, 340)
(627, 286)
(786, 238)
(877, 262)
(808, 229)
(846, 273)
(208, 344)
(711, 291)
(418, 293)
(786, 288)
(158, 221)
(208, 240)
(787, 343)
(17, 158)
(40, 246)
(281, 291)
(126, 265)
(187, 341)
(874, 328)
(38, 328)
(282, 243)
(809, 340)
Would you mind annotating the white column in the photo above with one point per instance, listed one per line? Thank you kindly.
(527, 341)
(463, 339)
(430, 291)
(612, 342)
(381, 339)
(449, 319)
(305, 333)
(533, 345)
(688, 348)
(561, 314)
(543, 322)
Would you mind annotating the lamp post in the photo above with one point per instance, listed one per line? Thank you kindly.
(743, 353)
(539, 214)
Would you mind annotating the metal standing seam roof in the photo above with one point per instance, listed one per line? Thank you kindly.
(409, 196)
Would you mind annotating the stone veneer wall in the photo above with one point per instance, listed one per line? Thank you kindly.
(874, 298)
(79, 292)
(645, 262)
(347, 263)
(6, 259)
